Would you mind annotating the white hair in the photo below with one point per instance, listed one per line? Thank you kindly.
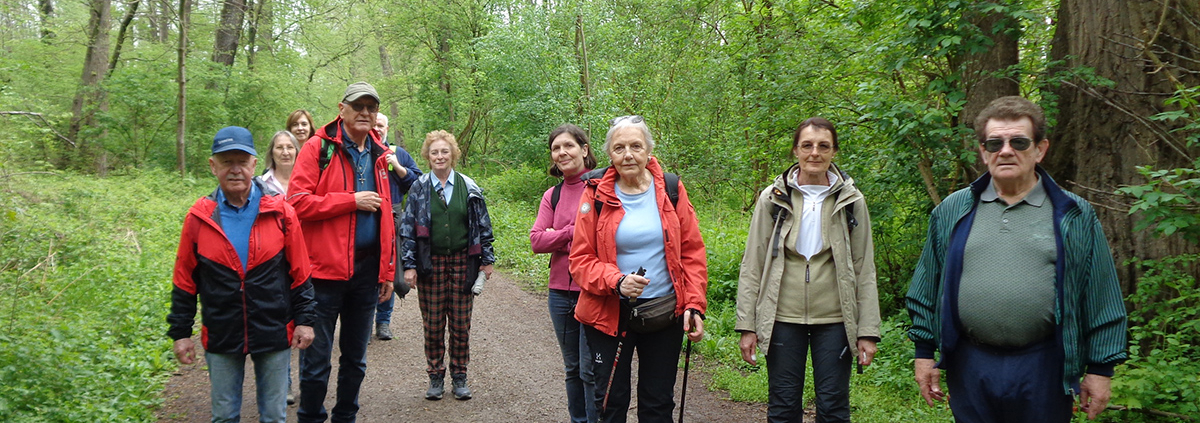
(622, 122)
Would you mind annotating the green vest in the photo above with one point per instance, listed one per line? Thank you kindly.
(448, 222)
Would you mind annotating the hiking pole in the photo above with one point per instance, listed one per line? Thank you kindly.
(612, 373)
(687, 361)
(621, 323)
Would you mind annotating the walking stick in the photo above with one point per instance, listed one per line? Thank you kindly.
(687, 361)
(621, 325)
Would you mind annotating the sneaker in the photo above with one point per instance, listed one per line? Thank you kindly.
(461, 391)
(437, 387)
(383, 331)
(291, 398)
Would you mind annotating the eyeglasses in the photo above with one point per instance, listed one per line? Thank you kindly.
(358, 107)
(635, 119)
(808, 147)
(993, 145)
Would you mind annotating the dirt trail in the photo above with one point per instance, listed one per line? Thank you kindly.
(515, 373)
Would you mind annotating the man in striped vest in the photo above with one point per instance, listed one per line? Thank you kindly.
(1016, 287)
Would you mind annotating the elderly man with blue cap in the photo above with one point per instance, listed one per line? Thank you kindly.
(256, 302)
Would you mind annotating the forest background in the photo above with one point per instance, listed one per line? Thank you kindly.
(108, 109)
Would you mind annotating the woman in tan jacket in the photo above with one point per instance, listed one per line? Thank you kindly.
(808, 280)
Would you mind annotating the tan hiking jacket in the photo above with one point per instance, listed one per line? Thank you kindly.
(763, 262)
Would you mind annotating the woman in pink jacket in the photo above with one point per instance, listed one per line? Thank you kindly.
(570, 157)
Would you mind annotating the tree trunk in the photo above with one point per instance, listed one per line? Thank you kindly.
(45, 12)
(229, 31)
(1148, 50)
(446, 86)
(185, 11)
(255, 23)
(385, 64)
(116, 57)
(581, 107)
(164, 20)
(90, 97)
(983, 77)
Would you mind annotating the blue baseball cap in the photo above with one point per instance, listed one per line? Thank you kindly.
(233, 138)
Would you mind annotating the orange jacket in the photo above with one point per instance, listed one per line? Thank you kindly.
(594, 252)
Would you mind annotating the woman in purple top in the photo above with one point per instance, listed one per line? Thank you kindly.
(570, 157)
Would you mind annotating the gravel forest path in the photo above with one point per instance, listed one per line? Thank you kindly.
(516, 373)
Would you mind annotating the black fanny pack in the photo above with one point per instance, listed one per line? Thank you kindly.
(652, 316)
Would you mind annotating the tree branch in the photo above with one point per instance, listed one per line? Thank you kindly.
(43, 123)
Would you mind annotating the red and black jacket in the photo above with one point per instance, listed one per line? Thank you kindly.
(324, 201)
(243, 312)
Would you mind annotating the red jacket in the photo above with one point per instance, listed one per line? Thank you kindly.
(594, 252)
(324, 201)
(244, 311)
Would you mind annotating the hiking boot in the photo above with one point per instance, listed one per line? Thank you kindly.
(383, 331)
(461, 391)
(437, 387)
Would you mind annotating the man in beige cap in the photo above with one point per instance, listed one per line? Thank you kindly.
(341, 193)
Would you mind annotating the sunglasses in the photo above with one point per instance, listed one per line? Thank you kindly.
(993, 145)
(358, 107)
(634, 119)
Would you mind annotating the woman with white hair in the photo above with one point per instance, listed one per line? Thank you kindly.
(637, 250)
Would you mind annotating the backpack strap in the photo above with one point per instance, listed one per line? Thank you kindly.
(555, 194)
(327, 151)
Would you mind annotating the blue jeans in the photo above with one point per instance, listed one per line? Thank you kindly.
(226, 373)
(354, 301)
(786, 359)
(574, 345)
(383, 311)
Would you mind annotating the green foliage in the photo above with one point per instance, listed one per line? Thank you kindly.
(1168, 202)
(1164, 325)
(83, 290)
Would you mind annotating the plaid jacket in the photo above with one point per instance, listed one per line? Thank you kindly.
(414, 229)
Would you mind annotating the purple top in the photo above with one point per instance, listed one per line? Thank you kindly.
(558, 241)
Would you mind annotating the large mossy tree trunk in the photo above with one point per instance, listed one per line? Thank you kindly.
(90, 98)
(229, 31)
(1148, 50)
(985, 75)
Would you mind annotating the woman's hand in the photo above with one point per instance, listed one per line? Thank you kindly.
(748, 344)
(487, 271)
(633, 285)
(693, 326)
(866, 351)
(410, 277)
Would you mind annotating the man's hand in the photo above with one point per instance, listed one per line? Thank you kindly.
(385, 291)
(367, 200)
(185, 351)
(749, 344)
(866, 351)
(302, 337)
(928, 378)
(401, 171)
(693, 326)
(1094, 392)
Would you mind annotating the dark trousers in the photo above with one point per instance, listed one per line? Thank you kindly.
(444, 303)
(786, 359)
(658, 361)
(354, 302)
(991, 385)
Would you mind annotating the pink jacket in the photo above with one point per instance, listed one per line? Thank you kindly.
(558, 241)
